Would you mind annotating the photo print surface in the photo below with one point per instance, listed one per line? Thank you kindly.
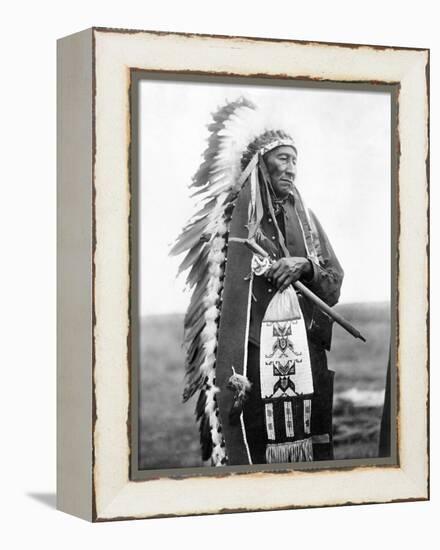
(259, 205)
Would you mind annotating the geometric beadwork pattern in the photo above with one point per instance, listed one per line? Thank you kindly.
(285, 369)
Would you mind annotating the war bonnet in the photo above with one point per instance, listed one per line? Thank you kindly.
(239, 136)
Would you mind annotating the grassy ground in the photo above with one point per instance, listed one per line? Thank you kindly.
(169, 435)
(360, 379)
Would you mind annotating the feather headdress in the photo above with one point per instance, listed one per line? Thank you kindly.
(238, 133)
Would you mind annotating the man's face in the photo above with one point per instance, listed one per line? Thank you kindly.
(281, 165)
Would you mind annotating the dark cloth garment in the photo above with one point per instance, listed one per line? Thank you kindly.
(325, 281)
(322, 404)
(385, 425)
(288, 222)
(238, 329)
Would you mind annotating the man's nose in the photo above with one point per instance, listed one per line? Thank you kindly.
(291, 168)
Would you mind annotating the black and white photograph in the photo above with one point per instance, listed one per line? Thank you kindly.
(264, 288)
(219, 285)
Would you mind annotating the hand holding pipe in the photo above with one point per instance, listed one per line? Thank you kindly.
(257, 249)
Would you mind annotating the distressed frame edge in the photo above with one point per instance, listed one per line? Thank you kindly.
(352, 45)
(424, 490)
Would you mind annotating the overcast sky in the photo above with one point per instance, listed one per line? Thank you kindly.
(344, 175)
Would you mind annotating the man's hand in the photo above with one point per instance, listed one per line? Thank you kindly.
(286, 271)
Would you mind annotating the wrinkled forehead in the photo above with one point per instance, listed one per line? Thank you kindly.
(282, 149)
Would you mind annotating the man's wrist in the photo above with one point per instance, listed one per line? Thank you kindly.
(307, 271)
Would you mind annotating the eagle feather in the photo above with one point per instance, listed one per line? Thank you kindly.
(204, 239)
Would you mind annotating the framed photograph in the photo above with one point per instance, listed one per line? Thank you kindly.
(243, 274)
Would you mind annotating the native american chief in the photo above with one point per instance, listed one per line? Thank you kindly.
(255, 345)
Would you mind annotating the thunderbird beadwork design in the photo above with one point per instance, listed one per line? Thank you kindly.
(282, 331)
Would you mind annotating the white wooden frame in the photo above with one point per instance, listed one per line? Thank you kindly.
(94, 278)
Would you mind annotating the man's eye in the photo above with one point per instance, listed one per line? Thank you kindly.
(286, 159)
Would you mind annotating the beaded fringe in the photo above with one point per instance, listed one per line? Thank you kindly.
(294, 451)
